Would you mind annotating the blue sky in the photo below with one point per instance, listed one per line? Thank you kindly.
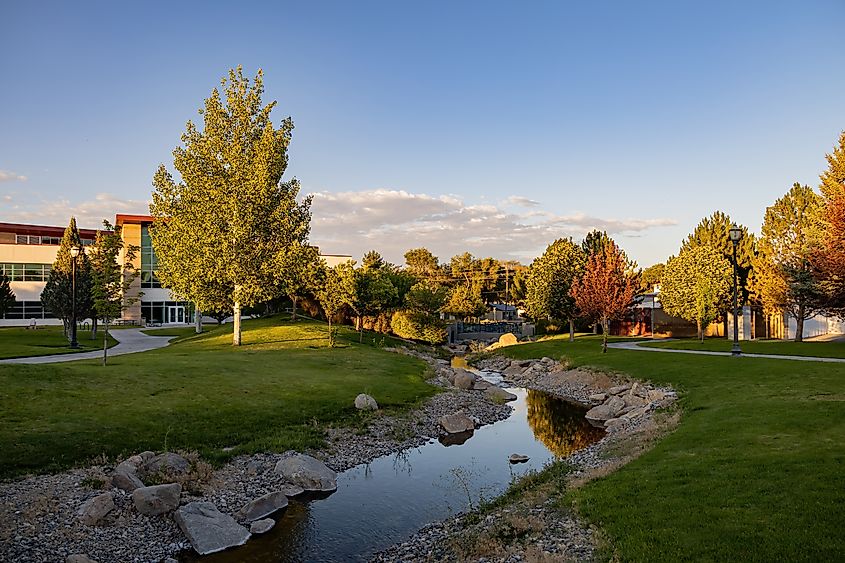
(491, 127)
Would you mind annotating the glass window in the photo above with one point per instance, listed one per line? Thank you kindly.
(22, 239)
(33, 272)
(16, 273)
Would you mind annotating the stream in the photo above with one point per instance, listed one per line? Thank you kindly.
(388, 500)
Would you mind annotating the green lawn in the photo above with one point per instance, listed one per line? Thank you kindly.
(20, 342)
(753, 473)
(277, 391)
(182, 332)
(779, 347)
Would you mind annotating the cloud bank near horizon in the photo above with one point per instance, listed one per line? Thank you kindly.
(390, 221)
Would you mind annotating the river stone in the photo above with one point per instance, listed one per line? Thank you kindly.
(481, 385)
(507, 339)
(609, 409)
(598, 398)
(464, 379)
(262, 526)
(208, 529)
(263, 506)
(614, 422)
(125, 477)
(96, 508)
(306, 472)
(518, 458)
(157, 499)
(656, 395)
(497, 394)
(455, 423)
(619, 389)
(292, 490)
(634, 401)
(513, 370)
(635, 413)
(167, 463)
(364, 402)
(79, 558)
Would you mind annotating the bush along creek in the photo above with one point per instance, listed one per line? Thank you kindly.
(422, 485)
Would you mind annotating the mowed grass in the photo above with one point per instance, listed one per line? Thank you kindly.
(276, 392)
(775, 347)
(754, 472)
(21, 342)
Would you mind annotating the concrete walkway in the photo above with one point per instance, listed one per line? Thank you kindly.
(636, 346)
(129, 341)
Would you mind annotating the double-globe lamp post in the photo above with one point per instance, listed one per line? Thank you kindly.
(74, 252)
(735, 235)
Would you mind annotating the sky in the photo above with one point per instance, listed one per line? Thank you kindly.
(489, 127)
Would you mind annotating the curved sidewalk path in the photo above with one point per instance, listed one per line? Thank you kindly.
(129, 341)
(636, 346)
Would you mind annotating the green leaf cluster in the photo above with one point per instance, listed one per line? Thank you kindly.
(550, 278)
(57, 295)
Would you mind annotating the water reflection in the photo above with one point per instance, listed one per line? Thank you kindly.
(562, 428)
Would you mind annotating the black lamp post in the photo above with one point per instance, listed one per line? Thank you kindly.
(735, 235)
(74, 252)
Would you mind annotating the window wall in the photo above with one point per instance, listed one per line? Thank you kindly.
(26, 272)
(27, 310)
(148, 260)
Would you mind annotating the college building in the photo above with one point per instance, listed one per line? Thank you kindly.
(27, 253)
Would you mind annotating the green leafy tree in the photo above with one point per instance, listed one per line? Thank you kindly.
(767, 287)
(57, 295)
(697, 285)
(373, 261)
(335, 291)
(415, 325)
(373, 293)
(464, 302)
(595, 242)
(605, 290)
(427, 297)
(830, 257)
(298, 269)
(230, 221)
(790, 236)
(112, 279)
(651, 276)
(422, 263)
(550, 278)
(7, 297)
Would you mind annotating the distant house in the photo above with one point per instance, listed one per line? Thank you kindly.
(501, 312)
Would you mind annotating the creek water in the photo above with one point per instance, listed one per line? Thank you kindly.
(386, 501)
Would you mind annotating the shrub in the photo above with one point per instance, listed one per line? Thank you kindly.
(418, 326)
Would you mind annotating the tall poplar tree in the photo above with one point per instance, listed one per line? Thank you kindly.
(230, 220)
(789, 237)
(57, 295)
(549, 280)
(831, 256)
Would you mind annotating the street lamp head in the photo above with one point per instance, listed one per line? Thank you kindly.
(735, 234)
(74, 251)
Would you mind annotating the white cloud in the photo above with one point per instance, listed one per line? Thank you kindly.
(520, 201)
(8, 176)
(57, 212)
(393, 221)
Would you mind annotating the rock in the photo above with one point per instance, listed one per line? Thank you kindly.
(609, 409)
(455, 423)
(598, 398)
(167, 463)
(364, 402)
(481, 385)
(507, 339)
(125, 477)
(464, 379)
(635, 413)
(208, 529)
(634, 401)
(146, 456)
(614, 422)
(96, 508)
(656, 395)
(497, 394)
(79, 558)
(619, 389)
(263, 506)
(292, 490)
(513, 370)
(518, 458)
(306, 472)
(262, 526)
(157, 499)
(455, 439)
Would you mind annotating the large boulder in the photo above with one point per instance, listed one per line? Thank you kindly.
(456, 423)
(464, 379)
(481, 385)
(364, 402)
(208, 529)
(507, 339)
(263, 506)
(96, 508)
(157, 499)
(167, 463)
(125, 477)
(306, 472)
(607, 410)
(499, 395)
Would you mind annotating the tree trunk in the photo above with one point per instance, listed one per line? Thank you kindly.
(360, 322)
(93, 327)
(753, 324)
(106, 341)
(571, 330)
(331, 334)
(293, 300)
(799, 324)
(604, 331)
(768, 325)
(197, 319)
(236, 333)
(724, 325)
(595, 328)
(699, 330)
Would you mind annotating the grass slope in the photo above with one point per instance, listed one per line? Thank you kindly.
(275, 392)
(753, 473)
(21, 342)
(776, 347)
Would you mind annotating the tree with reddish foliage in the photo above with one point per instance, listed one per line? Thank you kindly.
(606, 289)
(831, 260)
